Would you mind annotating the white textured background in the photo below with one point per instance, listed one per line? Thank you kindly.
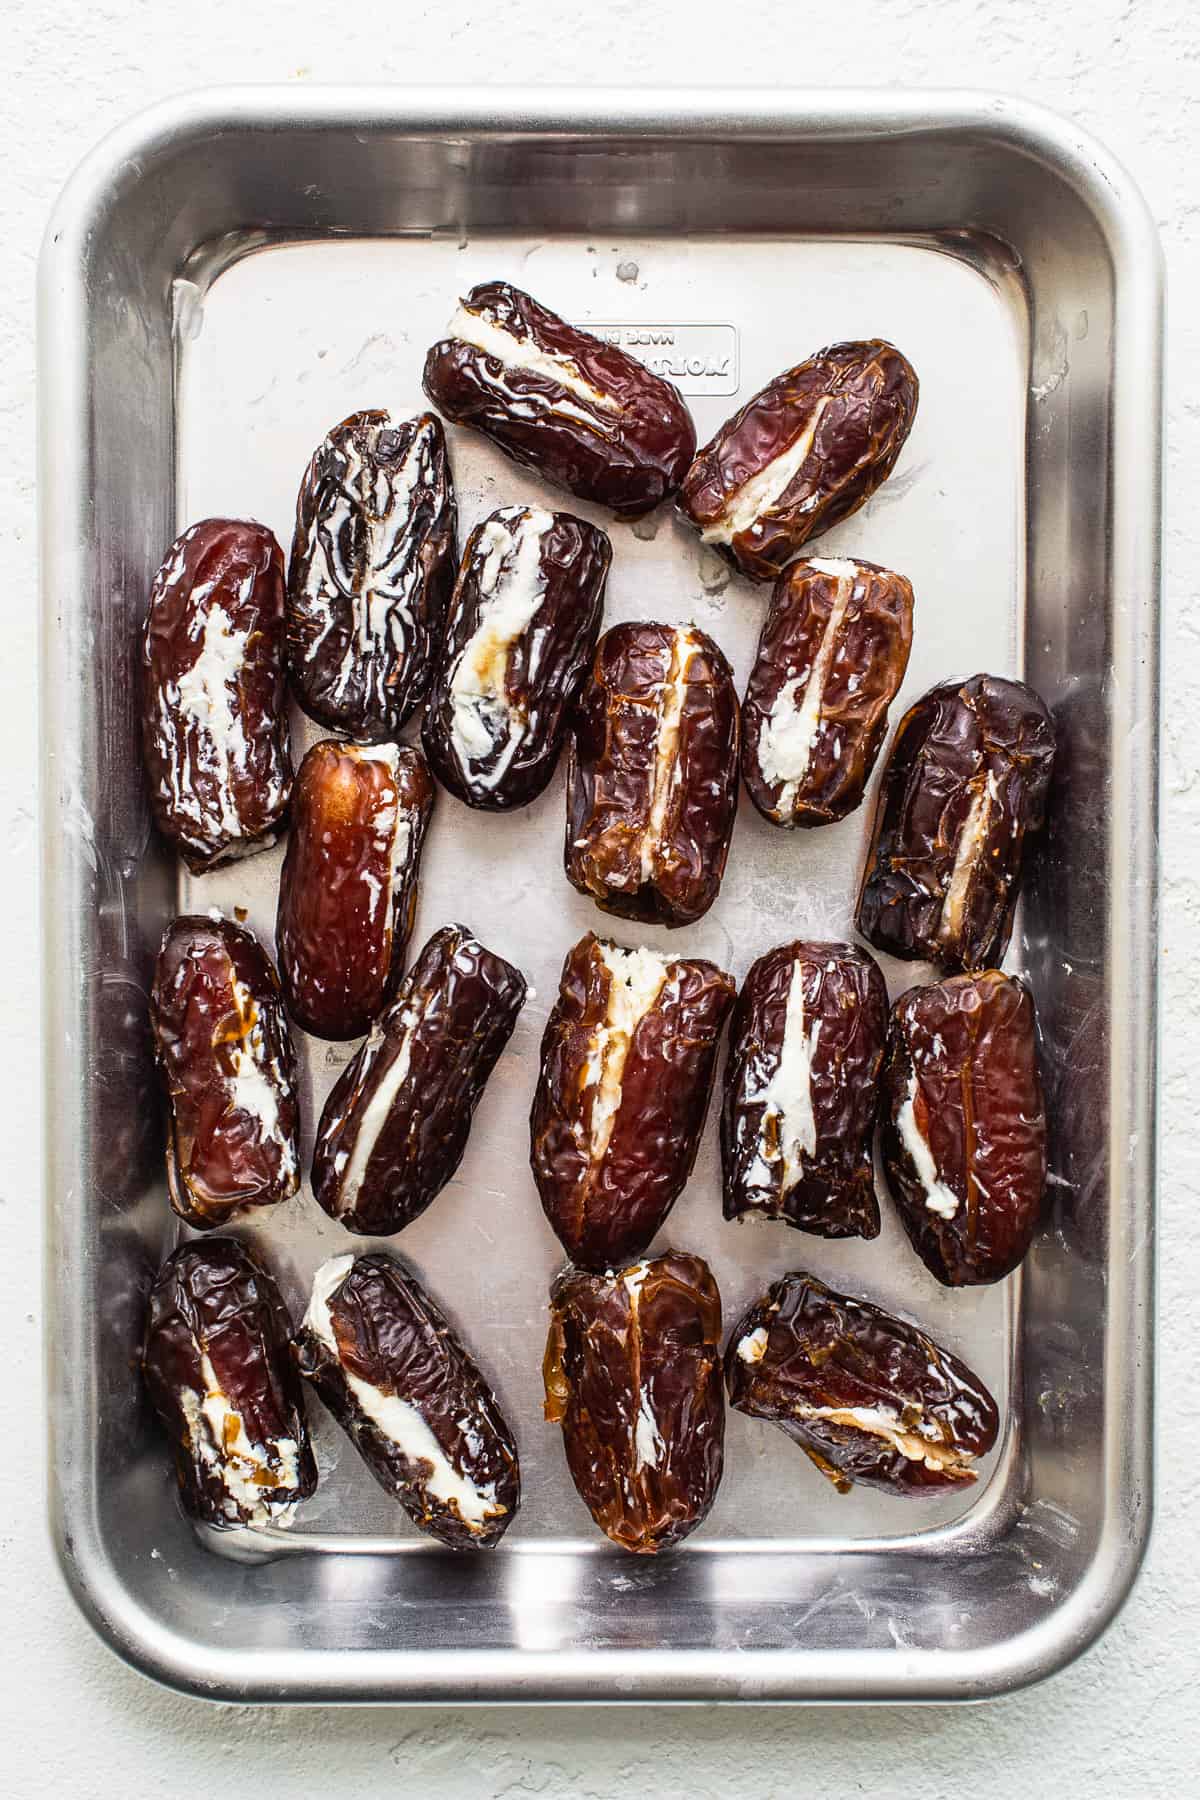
(72, 1720)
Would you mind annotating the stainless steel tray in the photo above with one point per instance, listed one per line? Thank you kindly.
(224, 279)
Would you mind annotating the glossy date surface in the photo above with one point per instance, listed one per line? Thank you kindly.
(217, 1368)
(407, 1392)
(225, 1055)
(964, 1125)
(348, 891)
(584, 414)
(801, 1089)
(802, 455)
(522, 628)
(652, 774)
(396, 1123)
(868, 1397)
(965, 784)
(633, 1376)
(831, 656)
(628, 1059)
(214, 713)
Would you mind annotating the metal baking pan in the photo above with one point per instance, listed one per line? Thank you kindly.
(225, 278)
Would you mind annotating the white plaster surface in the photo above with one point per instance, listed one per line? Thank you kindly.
(73, 1721)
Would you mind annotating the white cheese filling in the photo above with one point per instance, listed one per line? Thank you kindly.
(789, 733)
(747, 504)
(256, 1080)
(218, 1437)
(513, 587)
(939, 1198)
(666, 768)
(205, 694)
(378, 1110)
(879, 1422)
(787, 1094)
(753, 1347)
(513, 352)
(971, 840)
(636, 979)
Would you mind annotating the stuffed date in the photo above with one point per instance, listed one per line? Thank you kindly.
(868, 1397)
(652, 775)
(411, 1399)
(522, 630)
(395, 1125)
(627, 1065)
(584, 414)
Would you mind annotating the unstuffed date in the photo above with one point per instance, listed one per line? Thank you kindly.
(964, 1125)
(523, 626)
(802, 455)
(225, 1054)
(965, 783)
(214, 713)
(652, 775)
(627, 1064)
(831, 656)
(395, 1125)
(217, 1368)
(411, 1399)
(801, 1083)
(348, 891)
(868, 1397)
(633, 1376)
(584, 414)
(370, 575)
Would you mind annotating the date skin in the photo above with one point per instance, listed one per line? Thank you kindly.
(412, 1400)
(633, 1375)
(371, 571)
(964, 1125)
(214, 714)
(225, 1055)
(217, 1368)
(652, 775)
(628, 1060)
(802, 455)
(348, 891)
(395, 1126)
(801, 1085)
(965, 784)
(831, 656)
(584, 414)
(868, 1397)
(522, 630)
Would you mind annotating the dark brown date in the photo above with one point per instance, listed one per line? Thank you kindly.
(523, 626)
(225, 1054)
(802, 455)
(214, 712)
(964, 1125)
(370, 575)
(831, 657)
(411, 1399)
(348, 891)
(965, 783)
(868, 1397)
(627, 1064)
(652, 775)
(583, 413)
(633, 1376)
(801, 1085)
(396, 1124)
(219, 1375)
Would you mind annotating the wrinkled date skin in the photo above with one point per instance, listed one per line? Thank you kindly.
(832, 654)
(964, 1125)
(584, 414)
(627, 1064)
(965, 783)
(395, 1126)
(218, 1371)
(214, 713)
(411, 1399)
(801, 1086)
(371, 571)
(348, 891)
(869, 1398)
(633, 1376)
(523, 626)
(652, 775)
(802, 455)
(225, 1054)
